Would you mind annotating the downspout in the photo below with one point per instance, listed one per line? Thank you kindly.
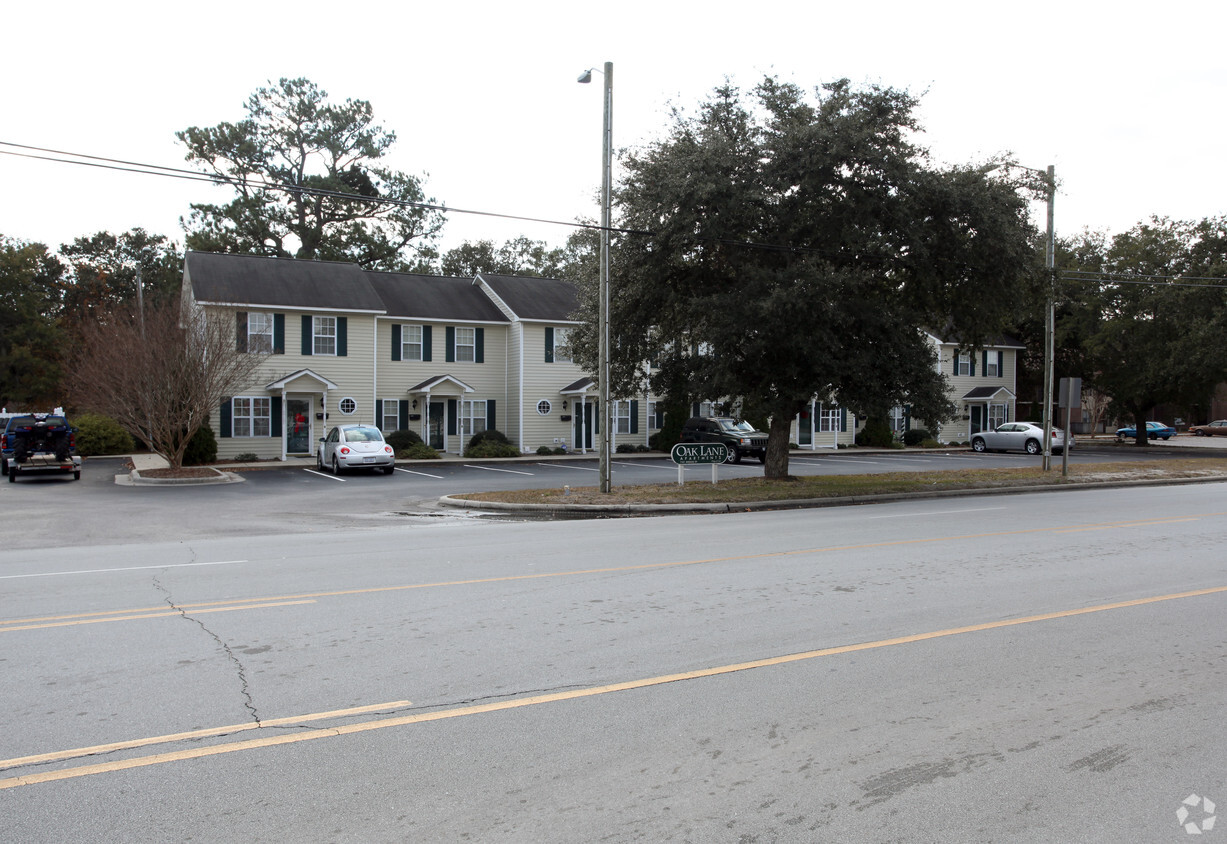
(520, 387)
(375, 373)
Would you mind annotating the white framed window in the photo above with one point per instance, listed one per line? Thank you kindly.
(391, 416)
(964, 363)
(411, 342)
(992, 364)
(251, 417)
(324, 335)
(561, 353)
(707, 409)
(466, 344)
(472, 416)
(347, 406)
(259, 332)
(622, 417)
(656, 415)
(997, 415)
(898, 419)
(544, 407)
(828, 418)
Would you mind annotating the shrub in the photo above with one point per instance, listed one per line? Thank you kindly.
(246, 457)
(558, 450)
(418, 451)
(490, 448)
(201, 448)
(625, 448)
(876, 434)
(930, 443)
(98, 434)
(916, 436)
(642, 449)
(545, 449)
(490, 435)
(403, 439)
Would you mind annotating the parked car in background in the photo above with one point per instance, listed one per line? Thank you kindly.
(1154, 431)
(1019, 436)
(355, 447)
(1217, 428)
(739, 437)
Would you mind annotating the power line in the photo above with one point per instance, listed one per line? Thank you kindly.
(261, 184)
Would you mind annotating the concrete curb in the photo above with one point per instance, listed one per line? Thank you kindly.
(797, 503)
(134, 478)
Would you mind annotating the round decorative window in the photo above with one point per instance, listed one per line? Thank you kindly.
(543, 407)
(347, 406)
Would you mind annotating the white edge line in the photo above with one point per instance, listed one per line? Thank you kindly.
(126, 568)
(576, 468)
(322, 475)
(423, 474)
(492, 469)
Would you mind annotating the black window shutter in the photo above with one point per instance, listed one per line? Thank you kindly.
(402, 414)
(451, 417)
(379, 414)
(843, 419)
(225, 420)
(240, 331)
(479, 354)
(549, 344)
(634, 416)
(1000, 364)
(973, 364)
(426, 351)
(956, 361)
(342, 336)
(490, 418)
(986, 353)
(306, 334)
(275, 413)
(279, 334)
(396, 342)
(449, 350)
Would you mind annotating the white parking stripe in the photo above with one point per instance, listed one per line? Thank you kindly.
(492, 469)
(639, 466)
(322, 475)
(423, 474)
(560, 466)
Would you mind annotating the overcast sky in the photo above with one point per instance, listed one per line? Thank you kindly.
(1125, 99)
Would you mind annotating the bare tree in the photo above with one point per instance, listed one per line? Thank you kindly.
(160, 375)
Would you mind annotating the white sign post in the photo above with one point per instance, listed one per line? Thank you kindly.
(690, 454)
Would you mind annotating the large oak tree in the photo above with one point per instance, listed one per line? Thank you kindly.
(777, 247)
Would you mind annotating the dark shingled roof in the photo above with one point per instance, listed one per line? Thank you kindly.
(434, 297)
(535, 298)
(280, 282)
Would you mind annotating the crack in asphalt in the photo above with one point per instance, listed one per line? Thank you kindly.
(244, 689)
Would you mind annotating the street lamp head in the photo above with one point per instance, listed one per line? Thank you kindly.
(585, 77)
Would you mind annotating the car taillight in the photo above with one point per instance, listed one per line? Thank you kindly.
(344, 449)
(388, 449)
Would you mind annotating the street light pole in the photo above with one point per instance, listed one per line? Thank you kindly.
(1050, 320)
(605, 417)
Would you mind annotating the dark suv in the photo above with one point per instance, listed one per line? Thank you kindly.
(740, 437)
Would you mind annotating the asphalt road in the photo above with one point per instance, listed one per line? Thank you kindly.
(1043, 667)
(298, 499)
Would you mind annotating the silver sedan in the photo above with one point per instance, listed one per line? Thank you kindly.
(1018, 436)
(355, 447)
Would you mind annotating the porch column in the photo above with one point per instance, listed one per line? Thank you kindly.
(285, 427)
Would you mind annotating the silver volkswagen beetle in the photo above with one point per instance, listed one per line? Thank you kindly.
(1018, 436)
(355, 447)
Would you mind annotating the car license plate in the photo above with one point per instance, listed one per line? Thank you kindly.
(368, 459)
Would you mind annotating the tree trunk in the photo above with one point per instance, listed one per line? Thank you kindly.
(1139, 420)
(777, 442)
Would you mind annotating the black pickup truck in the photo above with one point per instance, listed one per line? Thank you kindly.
(39, 442)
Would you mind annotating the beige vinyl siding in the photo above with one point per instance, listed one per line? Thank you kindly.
(543, 381)
(352, 374)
